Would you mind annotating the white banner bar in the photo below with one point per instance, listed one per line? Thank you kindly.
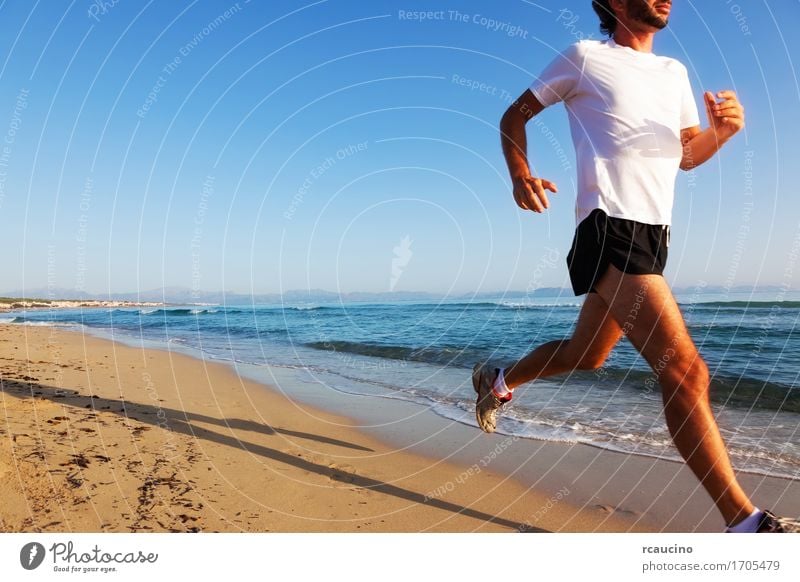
(412, 557)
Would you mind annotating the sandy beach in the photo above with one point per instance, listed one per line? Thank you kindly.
(99, 436)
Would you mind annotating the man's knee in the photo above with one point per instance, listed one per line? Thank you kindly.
(591, 362)
(687, 375)
(578, 358)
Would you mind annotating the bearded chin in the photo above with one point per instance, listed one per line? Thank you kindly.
(644, 13)
(659, 23)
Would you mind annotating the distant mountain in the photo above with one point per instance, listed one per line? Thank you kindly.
(51, 294)
(735, 289)
(184, 295)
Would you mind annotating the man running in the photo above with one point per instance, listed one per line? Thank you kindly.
(634, 123)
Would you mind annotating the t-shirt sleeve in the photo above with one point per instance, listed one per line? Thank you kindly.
(559, 80)
(689, 115)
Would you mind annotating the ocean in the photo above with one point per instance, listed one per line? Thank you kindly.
(424, 351)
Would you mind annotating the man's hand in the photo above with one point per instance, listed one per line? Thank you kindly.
(529, 192)
(724, 120)
(726, 117)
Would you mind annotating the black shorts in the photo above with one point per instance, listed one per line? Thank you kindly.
(632, 247)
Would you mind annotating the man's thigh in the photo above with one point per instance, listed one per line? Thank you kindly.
(647, 313)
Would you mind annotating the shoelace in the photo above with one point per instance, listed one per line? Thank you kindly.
(770, 523)
(787, 524)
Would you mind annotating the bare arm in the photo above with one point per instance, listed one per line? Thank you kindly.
(724, 119)
(529, 192)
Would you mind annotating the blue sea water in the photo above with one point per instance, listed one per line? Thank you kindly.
(424, 351)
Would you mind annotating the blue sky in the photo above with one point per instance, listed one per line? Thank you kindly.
(266, 146)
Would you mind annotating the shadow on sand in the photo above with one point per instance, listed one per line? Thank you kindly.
(185, 423)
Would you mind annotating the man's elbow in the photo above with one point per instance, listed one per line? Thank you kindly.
(689, 163)
(505, 119)
(688, 160)
(511, 118)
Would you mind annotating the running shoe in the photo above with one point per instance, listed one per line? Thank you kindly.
(487, 404)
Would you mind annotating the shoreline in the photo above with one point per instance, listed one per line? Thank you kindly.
(471, 481)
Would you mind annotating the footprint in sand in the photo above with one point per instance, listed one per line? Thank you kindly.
(611, 509)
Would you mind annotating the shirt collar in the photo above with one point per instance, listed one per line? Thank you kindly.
(613, 44)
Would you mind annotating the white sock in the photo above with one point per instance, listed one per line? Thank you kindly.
(748, 525)
(499, 386)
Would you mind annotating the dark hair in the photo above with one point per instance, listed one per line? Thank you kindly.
(608, 20)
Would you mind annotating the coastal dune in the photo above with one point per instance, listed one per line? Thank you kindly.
(97, 436)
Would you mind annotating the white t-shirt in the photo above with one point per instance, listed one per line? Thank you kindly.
(626, 110)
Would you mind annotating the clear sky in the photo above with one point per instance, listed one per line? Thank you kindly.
(343, 145)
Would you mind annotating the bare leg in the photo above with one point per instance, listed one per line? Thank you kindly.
(645, 309)
(596, 333)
